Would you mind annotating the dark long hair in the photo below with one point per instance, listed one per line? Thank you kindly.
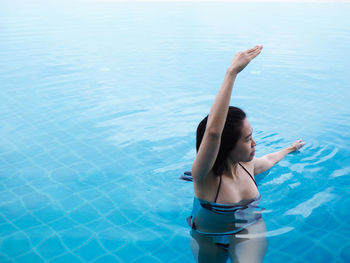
(229, 137)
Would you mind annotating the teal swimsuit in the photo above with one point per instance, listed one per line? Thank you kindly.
(220, 221)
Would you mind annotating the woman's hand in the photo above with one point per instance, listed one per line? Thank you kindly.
(297, 145)
(242, 59)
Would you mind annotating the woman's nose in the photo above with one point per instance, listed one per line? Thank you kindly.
(253, 143)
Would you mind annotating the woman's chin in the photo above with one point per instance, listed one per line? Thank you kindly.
(251, 157)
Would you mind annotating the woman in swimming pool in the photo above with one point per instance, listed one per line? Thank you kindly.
(225, 210)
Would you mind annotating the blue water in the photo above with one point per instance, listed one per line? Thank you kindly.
(99, 106)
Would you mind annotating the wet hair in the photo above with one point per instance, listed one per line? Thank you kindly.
(230, 135)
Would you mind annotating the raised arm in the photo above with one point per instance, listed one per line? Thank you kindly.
(267, 161)
(210, 144)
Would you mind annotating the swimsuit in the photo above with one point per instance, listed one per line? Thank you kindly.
(220, 221)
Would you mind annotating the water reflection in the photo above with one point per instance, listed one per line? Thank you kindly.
(248, 245)
(305, 209)
(222, 231)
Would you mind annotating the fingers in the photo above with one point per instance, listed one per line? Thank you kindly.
(253, 49)
(300, 143)
(253, 52)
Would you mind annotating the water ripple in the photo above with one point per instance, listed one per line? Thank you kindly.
(305, 209)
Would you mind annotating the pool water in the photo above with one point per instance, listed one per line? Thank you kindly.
(100, 103)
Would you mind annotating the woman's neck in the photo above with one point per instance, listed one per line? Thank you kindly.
(232, 168)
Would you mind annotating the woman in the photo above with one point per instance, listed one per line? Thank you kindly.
(226, 220)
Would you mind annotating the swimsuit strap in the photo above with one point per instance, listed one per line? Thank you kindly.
(249, 174)
(217, 192)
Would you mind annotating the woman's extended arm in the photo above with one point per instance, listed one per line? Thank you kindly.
(210, 144)
(267, 161)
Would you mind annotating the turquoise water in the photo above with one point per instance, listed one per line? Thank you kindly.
(100, 102)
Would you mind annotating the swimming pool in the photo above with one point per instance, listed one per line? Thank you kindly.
(100, 103)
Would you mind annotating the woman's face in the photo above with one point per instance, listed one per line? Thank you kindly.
(245, 147)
